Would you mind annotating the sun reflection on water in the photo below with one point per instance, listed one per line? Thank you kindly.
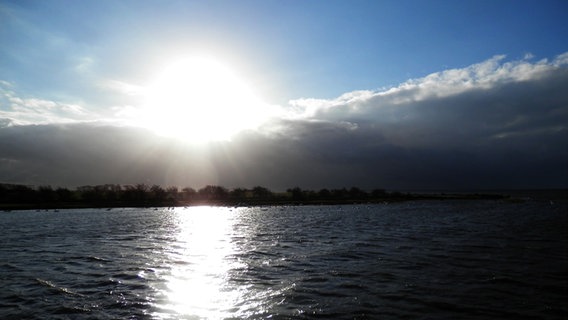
(197, 286)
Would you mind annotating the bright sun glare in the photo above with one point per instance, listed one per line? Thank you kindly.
(200, 99)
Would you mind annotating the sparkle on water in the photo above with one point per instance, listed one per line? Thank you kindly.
(197, 284)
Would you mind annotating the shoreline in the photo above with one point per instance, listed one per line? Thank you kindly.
(247, 202)
(513, 196)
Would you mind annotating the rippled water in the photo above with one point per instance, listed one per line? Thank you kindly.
(415, 260)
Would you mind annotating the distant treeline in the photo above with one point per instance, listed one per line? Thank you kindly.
(112, 195)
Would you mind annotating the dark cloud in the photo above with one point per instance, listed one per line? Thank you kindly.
(491, 125)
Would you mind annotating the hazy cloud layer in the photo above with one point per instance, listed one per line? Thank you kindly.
(495, 124)
(17, 110)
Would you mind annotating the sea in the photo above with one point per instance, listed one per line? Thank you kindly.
(450, 259)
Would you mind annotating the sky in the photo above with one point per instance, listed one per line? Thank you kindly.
(401, 95)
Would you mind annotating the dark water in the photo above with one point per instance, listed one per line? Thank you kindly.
(416, 260)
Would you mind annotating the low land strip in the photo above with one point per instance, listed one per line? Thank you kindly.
(19, 197)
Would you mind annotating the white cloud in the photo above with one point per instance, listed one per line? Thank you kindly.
(561, 60)
(17, 110)
(528, 56)
(83, 65)
(488, 74)
(122, 87)
(453, 109)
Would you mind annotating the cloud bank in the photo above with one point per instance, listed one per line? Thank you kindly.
(495, 124)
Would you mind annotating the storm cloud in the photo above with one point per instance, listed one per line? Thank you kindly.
(491, 125)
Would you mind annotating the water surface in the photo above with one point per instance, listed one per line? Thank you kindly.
(414, 260)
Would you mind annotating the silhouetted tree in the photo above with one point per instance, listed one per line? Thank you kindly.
(378, 193)
(238, 193)
(157, 193)
(140, 192)
(46, 194)
(188, 193)
(136, 193)
(213, 193)
(112, 192)
(339, 193)
(65, 195)
(324, 194)
(356, 193)
(296, 193)
(17, 193)
(172, 193)
(261, 192)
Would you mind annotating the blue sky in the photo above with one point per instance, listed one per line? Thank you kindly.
(318, 49)
(340, 63)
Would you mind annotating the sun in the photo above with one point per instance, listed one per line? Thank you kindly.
(200, 99)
